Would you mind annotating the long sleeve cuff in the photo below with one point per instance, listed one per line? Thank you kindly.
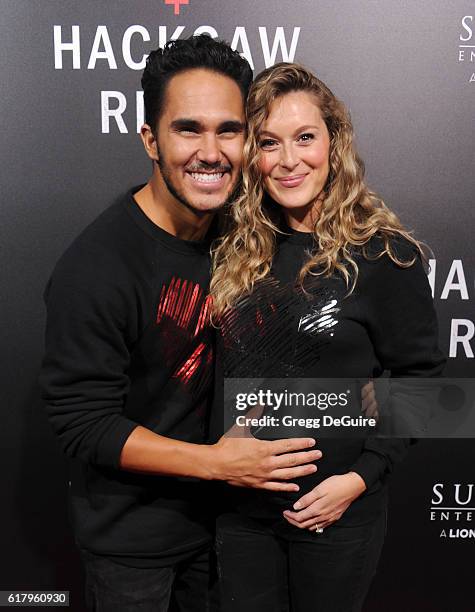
(370, 466)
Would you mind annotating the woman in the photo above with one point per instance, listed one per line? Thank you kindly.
(315, 278)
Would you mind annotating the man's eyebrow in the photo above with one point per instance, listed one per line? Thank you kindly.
(193, 125)
(186, 124)
(231, 126)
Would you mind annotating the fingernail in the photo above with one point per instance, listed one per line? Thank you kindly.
(312, 442)
(297, 506)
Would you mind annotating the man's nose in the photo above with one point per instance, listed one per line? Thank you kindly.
(209, 151)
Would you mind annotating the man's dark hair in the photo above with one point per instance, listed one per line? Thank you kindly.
(185, 54)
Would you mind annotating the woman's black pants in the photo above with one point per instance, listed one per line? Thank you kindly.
(271, 566)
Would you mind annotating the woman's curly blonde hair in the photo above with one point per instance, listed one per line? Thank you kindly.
(349, 216)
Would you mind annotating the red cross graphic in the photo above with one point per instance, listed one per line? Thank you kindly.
(177, 4)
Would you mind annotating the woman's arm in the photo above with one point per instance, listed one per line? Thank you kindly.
(402, 324)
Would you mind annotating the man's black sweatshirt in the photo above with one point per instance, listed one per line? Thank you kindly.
(127, 344)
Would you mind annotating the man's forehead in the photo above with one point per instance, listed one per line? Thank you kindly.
(203, 94)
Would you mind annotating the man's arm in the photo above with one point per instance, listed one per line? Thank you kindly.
(244, 462)
(90, 329)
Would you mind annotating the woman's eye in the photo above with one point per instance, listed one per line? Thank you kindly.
(306, 137)
(267, 143)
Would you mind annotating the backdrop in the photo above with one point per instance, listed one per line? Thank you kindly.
(70, 108)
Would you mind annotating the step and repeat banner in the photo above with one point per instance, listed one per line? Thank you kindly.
(71, 110)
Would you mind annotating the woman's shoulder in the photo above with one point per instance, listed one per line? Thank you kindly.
(391, 263)
(387, 249)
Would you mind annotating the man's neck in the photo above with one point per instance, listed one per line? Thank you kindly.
(171, 215)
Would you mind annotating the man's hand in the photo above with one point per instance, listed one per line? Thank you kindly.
(326, 503)
(263, 464)
(244, 462)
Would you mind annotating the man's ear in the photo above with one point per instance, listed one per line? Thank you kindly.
(149, 141)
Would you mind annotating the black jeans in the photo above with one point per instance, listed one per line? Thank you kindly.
(271, 566)
(112, 587)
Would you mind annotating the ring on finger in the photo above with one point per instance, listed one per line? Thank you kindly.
(318, 529)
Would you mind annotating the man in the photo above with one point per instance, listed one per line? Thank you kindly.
(129, 351)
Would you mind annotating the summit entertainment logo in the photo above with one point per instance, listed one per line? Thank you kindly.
(452, 505)
(466, 43)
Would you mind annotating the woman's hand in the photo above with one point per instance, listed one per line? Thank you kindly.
(326, 503)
